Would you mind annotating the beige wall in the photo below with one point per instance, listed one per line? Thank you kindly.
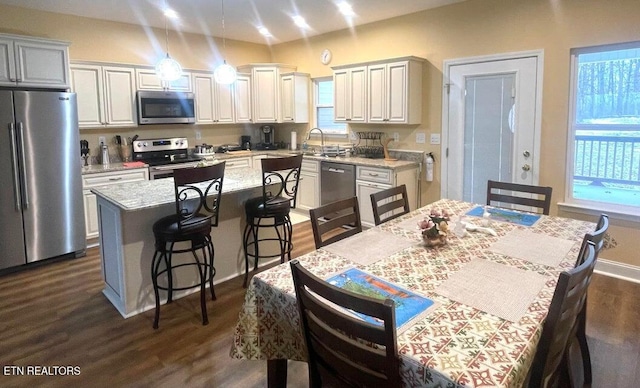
(471, 28)
(484, 27)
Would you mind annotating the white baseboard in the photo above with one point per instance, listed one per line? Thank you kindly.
(618, 270)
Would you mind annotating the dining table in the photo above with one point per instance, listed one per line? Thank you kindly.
(488, 289)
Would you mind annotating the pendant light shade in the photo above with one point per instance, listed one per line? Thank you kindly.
(224, 74)
(168, 69)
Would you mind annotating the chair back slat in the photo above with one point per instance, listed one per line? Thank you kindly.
(389, 204)
(344, 221)
(520, 195)
(568, 300)
(342, 349)
(281, 178)
(198, 190)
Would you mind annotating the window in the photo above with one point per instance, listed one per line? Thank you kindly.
(323, 105)
(605, 128)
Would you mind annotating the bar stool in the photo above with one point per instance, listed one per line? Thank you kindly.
(280, 177)
(197, 200)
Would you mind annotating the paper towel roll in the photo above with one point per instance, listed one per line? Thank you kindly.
(294, 142)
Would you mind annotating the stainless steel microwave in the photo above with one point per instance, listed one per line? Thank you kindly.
(160, 107)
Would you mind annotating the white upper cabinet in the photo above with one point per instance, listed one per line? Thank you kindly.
(350, 94)
(147, 79)
(33, 62)
(106, 95)
(395, 92)
(385, 91)
(242, 98)
(266, 89)
(295, 97)
(214, 102)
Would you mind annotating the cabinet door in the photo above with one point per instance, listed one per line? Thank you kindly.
(265, 95)
(92, 226)
(42, 64)
(242, 94)
(182, 84)
(7, 63)
(358, 94)
(364, 191)
(397, 93)
(288, 98)
(377, 93)
(86, 82)
(223, 103)
(203, 88)
(341, 95)
(147, 79)
(119, 87)
(308, 191)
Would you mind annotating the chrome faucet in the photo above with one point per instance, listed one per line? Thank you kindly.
(321, 138)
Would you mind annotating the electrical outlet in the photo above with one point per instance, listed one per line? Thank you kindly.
(420, 138)
(101, 140)
(198, 135)
(396, 137)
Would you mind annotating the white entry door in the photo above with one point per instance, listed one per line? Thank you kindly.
(491, 129)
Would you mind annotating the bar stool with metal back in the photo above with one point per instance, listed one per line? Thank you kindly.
(197, 199)
(280, 178)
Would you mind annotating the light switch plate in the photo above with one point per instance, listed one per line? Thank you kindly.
(435, 138)
(420, 137)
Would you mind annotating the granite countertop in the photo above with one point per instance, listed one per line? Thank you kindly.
(140, 195)
(358, 161)
(98, 168)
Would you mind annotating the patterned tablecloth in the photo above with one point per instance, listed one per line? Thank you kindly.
(454, 345)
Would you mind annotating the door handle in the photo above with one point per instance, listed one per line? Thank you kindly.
(526, 167)
(14, 165)
(23, 160)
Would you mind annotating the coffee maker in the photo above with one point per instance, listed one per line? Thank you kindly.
(267, 134)
(245, 142)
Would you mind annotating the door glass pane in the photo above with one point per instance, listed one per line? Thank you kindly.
(488, 135)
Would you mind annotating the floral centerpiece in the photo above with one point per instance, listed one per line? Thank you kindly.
(435, 227)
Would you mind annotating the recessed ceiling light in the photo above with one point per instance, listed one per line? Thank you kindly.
(171, 14)
(264, 31)
(300, 22)
(345, 9)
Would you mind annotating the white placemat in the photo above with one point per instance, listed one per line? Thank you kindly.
(534, 247)
(506, 292)
(412, 223)
(369, 246)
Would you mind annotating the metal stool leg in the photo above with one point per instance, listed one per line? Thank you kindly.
(155, 264)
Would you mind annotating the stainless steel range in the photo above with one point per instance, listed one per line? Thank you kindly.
(164, 155)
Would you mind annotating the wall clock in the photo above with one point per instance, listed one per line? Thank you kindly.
(325, 57)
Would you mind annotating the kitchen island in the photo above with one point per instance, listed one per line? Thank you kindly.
(127, 212)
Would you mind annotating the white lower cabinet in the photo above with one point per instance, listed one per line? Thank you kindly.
(370, 180)
(309, 186)
(102, 179)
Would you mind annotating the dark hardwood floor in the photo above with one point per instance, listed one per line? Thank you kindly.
(56, 315)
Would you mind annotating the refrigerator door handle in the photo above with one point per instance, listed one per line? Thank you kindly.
(14, 166)
(23, 160)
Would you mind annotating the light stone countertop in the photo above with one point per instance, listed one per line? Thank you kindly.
(358, 161)
(132, 196)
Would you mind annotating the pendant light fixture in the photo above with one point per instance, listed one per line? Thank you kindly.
(224, 74)
(168, 69)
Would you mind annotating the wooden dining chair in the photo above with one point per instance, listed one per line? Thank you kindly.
(389, 204)
(520, 195)
(578, 355)
(334, 221)
(342, 350)
(567, 302)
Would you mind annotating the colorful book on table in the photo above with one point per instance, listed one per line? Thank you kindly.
(409, 305)
(524, 219)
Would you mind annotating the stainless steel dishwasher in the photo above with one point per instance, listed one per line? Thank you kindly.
(337, 181)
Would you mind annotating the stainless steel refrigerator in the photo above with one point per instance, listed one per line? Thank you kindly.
(41, 204)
